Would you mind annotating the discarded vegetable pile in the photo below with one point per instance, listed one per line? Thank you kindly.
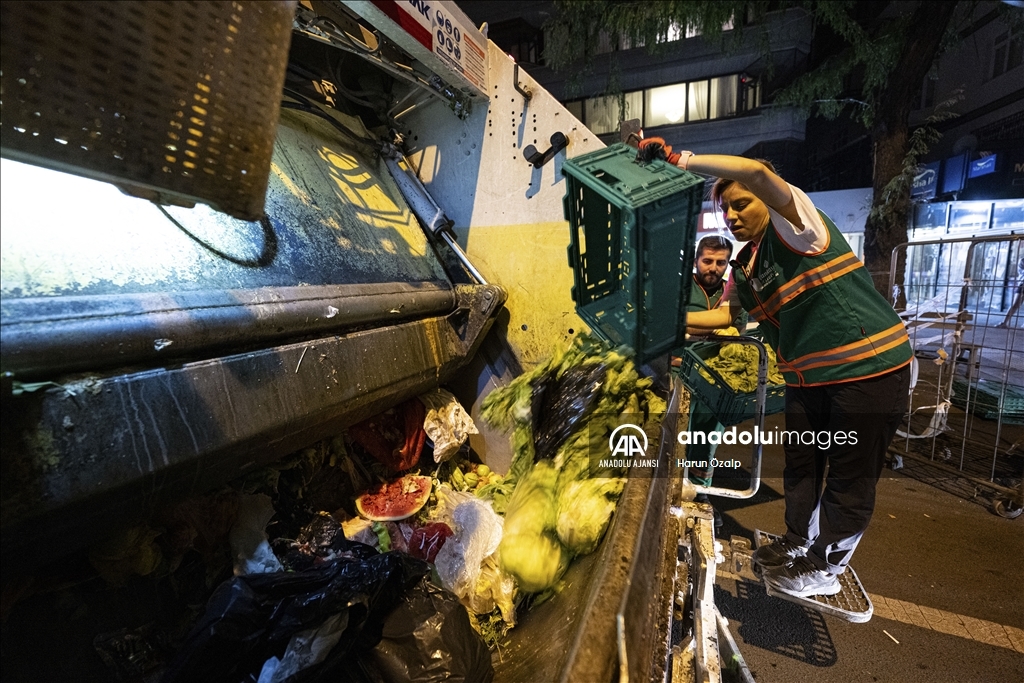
(737, 365)
(560, 508)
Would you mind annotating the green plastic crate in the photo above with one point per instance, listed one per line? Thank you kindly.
(990, 399)
(729, 406)
(633, 231)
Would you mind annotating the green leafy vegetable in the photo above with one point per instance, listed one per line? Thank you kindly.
(584, 510)
(560, 508)
(737, 365)
(383, 537)
(530, 550)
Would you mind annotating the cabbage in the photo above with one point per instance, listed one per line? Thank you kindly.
(584, 510)
(529, 548)
(559, 508)
(537, 562)
(737, 365)
(532, 509)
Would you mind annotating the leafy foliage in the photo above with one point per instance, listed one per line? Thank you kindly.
(921, 139)
(866, 49)
(581, 29)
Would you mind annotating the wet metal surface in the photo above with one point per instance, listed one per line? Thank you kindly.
(84, 458)
(46, 336)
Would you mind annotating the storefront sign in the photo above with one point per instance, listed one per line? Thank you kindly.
(982, 166)
(926, 181)
(954, 174)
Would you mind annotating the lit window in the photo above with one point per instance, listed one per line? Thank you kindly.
(665, 105)
(603, 115)
(1008, 215)
(673, 33)
(634, 106)
(724, 92)
(750, 93)
(697, 101)
(714, 98)
(969, 215)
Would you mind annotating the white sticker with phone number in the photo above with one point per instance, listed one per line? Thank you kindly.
(450, 38)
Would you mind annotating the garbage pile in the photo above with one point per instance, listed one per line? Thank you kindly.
(386, 553)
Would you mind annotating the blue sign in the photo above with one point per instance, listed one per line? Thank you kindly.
(982, 166)
(926, 181)
(954, 173)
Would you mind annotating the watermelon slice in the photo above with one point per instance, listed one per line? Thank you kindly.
(394, 500)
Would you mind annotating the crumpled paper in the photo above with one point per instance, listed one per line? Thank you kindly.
(446, 423)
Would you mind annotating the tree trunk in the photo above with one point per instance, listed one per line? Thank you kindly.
(886, 229)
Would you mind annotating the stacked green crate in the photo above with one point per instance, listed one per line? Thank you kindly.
(990, 399)
(633, 230)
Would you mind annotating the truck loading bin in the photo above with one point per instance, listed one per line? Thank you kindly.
(152, 353)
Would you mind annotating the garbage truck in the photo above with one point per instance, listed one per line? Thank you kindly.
(233, 230)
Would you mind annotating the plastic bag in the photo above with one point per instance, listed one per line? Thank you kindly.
(428, 638)
(477, 535)
(251, 618)
(446, 422)
(559, 404)
(250, 548)
(306, 649)
(467, 562)
(321, 540)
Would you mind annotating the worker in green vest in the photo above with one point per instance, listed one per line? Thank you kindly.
(844, 353)
(710, 264)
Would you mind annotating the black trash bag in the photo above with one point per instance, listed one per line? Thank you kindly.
(320, 540)
(558, 406)
(428, 638)
(131, 654)
(251, 618)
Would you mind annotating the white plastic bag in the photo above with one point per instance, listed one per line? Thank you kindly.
(305, 649)
(248, 537)
(468, 562)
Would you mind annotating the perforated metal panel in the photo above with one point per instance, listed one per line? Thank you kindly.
(173, 101)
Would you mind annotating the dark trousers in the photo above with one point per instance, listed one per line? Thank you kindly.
(830, 486)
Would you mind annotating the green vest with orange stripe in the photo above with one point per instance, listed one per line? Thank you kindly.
(700, 300)
(820, 312)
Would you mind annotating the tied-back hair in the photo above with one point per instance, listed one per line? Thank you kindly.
(722, 184)
(714, 243)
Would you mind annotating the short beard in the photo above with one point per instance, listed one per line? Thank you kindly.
(715, 280)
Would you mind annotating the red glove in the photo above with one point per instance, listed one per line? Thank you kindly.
(655, 148)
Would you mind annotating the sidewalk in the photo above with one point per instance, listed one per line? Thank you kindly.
(933, 548)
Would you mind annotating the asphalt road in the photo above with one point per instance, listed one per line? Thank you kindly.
(945, 574)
